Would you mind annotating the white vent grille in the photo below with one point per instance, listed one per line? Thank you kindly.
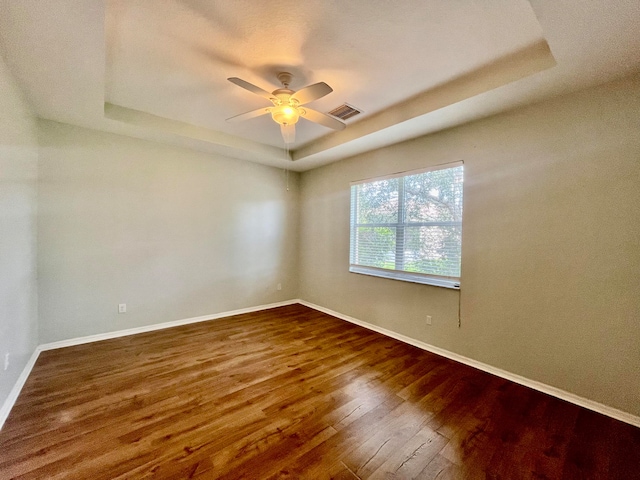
(345, 111)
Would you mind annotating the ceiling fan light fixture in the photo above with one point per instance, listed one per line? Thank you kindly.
(287, 110)
(285, 114)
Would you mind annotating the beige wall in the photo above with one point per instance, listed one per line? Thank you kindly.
(172, 233)
(18, 198)
(551, 244)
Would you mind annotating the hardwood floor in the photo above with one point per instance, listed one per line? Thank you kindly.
(292, 393)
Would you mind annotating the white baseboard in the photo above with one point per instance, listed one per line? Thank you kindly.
(159, 326)
(542, 387)
(553, 391)
(15, 391)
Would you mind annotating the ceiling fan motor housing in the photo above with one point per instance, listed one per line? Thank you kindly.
(283, 94)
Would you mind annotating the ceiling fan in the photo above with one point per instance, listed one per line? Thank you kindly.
(287, 105)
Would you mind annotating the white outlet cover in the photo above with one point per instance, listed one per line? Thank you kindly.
(122, 308)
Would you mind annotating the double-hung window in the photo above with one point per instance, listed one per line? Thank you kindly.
(409, 226)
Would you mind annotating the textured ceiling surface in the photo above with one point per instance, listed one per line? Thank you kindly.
(172, 57)
(157, 69)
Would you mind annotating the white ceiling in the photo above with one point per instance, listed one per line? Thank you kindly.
(157, 69)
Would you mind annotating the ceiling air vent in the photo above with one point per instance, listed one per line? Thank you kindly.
(345, 111)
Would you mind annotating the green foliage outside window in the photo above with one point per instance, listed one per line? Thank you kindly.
(411, 223)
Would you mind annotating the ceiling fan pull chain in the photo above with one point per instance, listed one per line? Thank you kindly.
(286, 170)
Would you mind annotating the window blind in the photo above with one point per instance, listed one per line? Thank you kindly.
(409, 226)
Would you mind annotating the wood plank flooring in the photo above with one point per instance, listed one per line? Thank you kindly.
(292, 393)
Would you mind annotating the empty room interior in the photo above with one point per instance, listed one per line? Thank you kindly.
(309, 240)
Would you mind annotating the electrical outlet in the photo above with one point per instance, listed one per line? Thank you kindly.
(279, 286)
(6, 361)
(428, 319)
(122, 308)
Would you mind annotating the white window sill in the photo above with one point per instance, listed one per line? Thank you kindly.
(443, 282)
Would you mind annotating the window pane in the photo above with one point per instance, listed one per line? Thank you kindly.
(434, 196)
(409, 227)
(433, 250)
(375, 247)
(378, 201)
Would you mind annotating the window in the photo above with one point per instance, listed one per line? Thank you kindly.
(409, 226)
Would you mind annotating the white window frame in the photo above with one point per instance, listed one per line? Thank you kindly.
(399, 274)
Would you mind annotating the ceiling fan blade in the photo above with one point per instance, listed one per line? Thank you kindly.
(248, 115)
(323, 119)
(311, 93)
(251, 87)
(288, 133)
